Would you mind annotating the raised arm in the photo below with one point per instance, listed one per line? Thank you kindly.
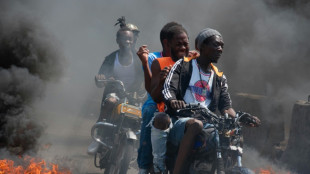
(143, 53)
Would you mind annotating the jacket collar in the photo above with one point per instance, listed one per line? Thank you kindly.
(219, 73)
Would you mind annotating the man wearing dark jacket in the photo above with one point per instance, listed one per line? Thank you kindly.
(124, 65)
(196, 80)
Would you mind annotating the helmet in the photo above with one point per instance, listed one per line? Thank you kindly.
(133, 28)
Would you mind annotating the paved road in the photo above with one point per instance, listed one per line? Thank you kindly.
(68, 135)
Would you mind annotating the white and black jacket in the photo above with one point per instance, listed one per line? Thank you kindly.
(178, 80)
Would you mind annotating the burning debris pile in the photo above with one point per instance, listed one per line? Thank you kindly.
(28, 59)
(31, 165)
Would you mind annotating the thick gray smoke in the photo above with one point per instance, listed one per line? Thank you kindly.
(273, 51)
(29, 58)
(266, 50)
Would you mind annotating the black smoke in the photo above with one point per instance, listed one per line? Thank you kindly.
(29, 57)
(266, 45)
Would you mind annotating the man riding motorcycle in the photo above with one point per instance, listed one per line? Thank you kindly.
(123, 65)
(177, 42)
(145, 157)
(195, 80)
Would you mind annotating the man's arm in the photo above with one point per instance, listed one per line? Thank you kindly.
(231, 112)
(100, 75)
(157, 81)
(105, 71)
(143, 54)
(171, 87)
(225, 105)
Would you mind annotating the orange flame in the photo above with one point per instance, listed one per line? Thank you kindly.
(266, 171)
(33, 167)
(269, 170)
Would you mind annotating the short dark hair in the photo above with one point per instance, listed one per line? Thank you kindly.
(208, 40)
(164, 30)
(174, 30)
(118, 34)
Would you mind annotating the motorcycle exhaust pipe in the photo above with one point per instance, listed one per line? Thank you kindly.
(101, 125)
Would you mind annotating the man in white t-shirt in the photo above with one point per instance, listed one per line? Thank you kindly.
(196, 80)
(123, 64)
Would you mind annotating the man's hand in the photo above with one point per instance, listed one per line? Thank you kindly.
(249, 120)
(177, 104)
(256, 122)
(102, 77)
(99, 77)
(193, 53)
(164, 73)
(143, 54)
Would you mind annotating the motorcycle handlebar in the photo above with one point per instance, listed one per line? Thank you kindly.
(247, 119)
(198, 106)
(243, 117)
(191, 106)
(133, 95)
(194, 105)
(111, 81)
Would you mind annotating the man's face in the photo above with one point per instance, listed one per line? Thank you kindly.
(179, 45)
(213, 49)
(125, 39)
(135, 38)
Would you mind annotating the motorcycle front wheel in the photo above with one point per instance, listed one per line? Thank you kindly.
(112, 169)
(122, 161)
(128, 154)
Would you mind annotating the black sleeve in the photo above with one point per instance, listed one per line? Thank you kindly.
(171, 83)
(225, 100)
(107, 67)
(104, 66)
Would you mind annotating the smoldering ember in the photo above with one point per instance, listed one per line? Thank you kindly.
(52, 111)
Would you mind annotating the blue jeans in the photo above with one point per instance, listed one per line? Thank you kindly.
(174, 134)
(145, 157)
(177, 132)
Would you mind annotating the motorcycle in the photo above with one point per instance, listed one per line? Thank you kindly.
(219, 147)
(118, 134)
